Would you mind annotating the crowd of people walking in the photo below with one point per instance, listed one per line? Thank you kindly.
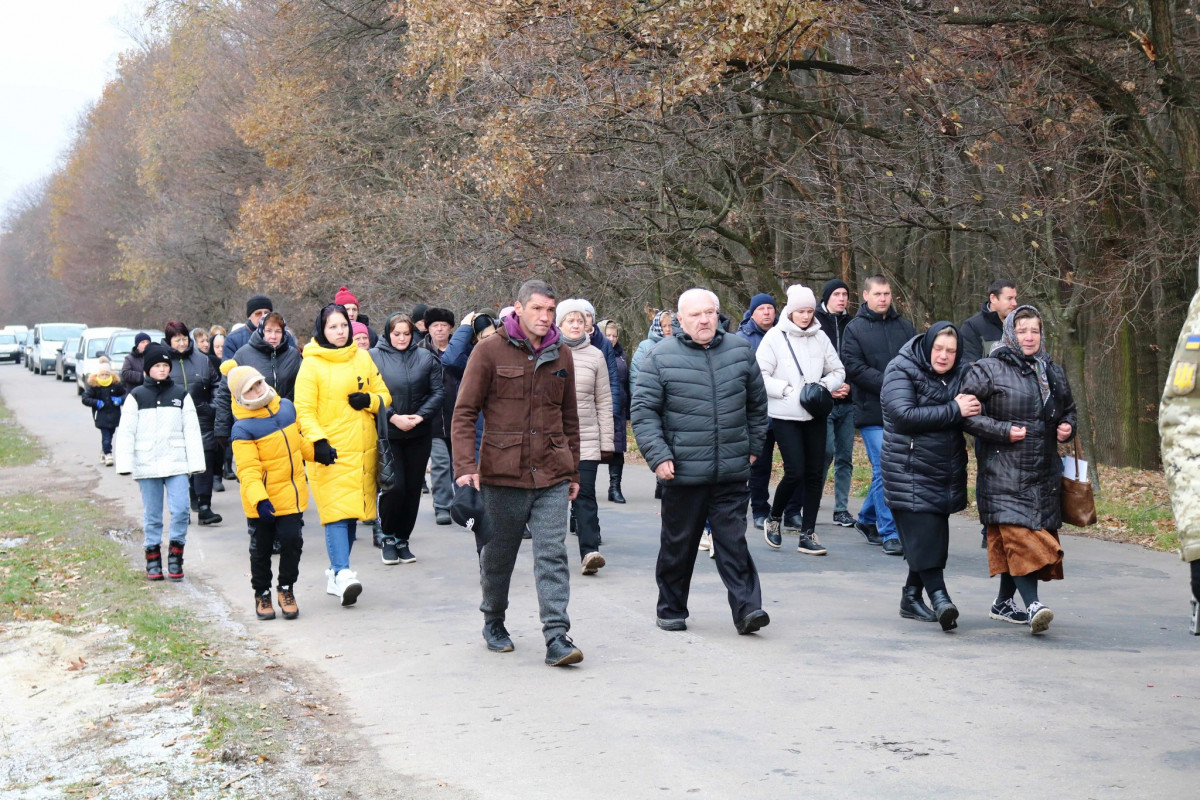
(513, 413)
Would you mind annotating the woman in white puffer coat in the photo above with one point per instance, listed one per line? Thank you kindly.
(791, 354)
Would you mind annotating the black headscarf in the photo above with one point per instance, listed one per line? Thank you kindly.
(934, 331)
(322, 317)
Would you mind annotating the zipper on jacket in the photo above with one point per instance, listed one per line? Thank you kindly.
(291, 463)
(716, 416)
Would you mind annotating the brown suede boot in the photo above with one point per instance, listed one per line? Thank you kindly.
(287, 603)
(262, 606)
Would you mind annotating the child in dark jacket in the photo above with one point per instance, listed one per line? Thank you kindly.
(270, 454)
(104, 395)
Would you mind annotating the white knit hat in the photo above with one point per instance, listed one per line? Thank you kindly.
(569, 305)
(798, 298)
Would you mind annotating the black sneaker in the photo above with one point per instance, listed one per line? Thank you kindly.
(388, 550)
(219, 486)
(442, 516)
(562, 652)
(759, 522)
(793, 523)
(752, 622)
(671, 624)
(406, 556)
(843, 518)
(771, 533)
(869, 532)
(1008, 612)
(1040, 617)
(497, 638)
(892, 547)
(809, 544)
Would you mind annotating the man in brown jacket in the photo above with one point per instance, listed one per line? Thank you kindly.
(523, 383)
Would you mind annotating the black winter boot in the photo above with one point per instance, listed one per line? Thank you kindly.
(614, 483)
(154, 563)
(912, 607)
(175, 562)
(206, 516)
(944, 609)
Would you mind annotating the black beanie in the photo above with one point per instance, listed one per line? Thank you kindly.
(418, 313)
(484, 320)
(832, 286)
(257, 302)
(435, 314)
(155, 353)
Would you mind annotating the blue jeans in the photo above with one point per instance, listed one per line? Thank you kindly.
(875, 510)
(178, 505)
(839, 451)
(339, 541)
(441, 474)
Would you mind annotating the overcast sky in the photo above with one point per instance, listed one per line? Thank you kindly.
(55, 58)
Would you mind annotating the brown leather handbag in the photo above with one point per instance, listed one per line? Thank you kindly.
(1078, 506)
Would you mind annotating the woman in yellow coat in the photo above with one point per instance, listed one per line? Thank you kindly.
(338, 392)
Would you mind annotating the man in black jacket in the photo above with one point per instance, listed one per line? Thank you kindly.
(700, 417)
(839, 437)
(873, 338)
(985, 329)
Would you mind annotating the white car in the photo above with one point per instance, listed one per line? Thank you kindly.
(10, 347)
(48, 337)
(120, 343)
(92, 344)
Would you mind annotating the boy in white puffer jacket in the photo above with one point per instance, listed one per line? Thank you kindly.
(158, 442)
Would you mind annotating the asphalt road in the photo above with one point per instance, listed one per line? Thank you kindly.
(838, 697)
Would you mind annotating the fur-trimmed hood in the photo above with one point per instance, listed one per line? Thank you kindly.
(116, 380)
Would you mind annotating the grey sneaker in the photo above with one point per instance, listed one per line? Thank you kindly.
(843, 518)
(809, 544)
(892, 547)
(771, 533)
(1040, 617)
(1008, 612)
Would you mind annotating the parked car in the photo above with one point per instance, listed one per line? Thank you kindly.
(48, 337)
(64, 360)
(120, 343)
(92, 344)
(10, 348)
(25, 350)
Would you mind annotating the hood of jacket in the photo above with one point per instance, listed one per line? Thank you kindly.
(271, 408)
(917, 351)
(334, 355)
(517, 337)
(792, 329)
(260, 344)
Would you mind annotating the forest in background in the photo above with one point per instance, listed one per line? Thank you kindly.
(442, 151)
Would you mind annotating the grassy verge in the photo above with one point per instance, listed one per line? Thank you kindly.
(16, 446)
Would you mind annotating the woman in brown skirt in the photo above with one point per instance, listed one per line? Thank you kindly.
(1027, 410)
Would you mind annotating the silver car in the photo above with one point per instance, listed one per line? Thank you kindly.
(64, 360)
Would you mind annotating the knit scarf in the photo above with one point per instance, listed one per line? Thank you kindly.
(1040, 360)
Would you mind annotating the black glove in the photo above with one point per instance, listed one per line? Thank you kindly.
(359, 400)
(265, 509)
(323, 453)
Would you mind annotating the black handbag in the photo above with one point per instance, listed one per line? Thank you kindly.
(814, 397)
(385, 464)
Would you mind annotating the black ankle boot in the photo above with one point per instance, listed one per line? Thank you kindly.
(912, 607)
(944, 609)
(206, 516)
(154, 563)
(175, 562)
(614, 483)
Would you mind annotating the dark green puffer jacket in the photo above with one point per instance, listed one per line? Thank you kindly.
(705, 408)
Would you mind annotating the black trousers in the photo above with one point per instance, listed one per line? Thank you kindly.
(684, 511)
(398, 508)
(802, 445)
(202, 482)
(587, 515)
(263, 532)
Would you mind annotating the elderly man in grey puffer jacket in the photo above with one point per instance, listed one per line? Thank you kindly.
(700, 416)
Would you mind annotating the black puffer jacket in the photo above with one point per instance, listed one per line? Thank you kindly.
(450, 380)
(924, 452)
(413, 376)
(194, 373)
(1019, 482)
(108, 415)
(871, 341)
(705, 408)
(279, 367)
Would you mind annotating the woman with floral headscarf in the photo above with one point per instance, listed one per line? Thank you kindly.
(1027, 410)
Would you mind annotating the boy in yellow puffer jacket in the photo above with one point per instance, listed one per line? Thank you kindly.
(270, 453)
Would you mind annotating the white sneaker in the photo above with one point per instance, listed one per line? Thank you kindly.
(706, 541)
(331, 586)
(347, 585)
(108, 459)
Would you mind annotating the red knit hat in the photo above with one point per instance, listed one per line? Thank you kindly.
(345, 296)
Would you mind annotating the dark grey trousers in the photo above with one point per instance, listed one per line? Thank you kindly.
(545, 512)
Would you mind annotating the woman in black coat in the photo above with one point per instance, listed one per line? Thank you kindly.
(413, 377)
(925, 462)
(1027, 410)
(194, 372)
